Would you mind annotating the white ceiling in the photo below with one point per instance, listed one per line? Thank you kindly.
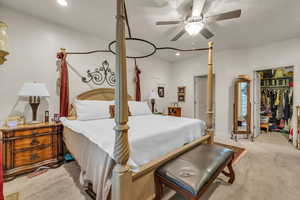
(262, 21)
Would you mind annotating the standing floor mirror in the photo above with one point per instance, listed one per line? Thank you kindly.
(241, 108)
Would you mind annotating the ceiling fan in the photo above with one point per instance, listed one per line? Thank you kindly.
(195, 21)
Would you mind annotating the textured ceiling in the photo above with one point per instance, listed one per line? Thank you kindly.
(262, 21)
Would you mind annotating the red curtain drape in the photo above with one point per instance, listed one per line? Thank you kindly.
(1, 174)
(137, 84)
(64, 85)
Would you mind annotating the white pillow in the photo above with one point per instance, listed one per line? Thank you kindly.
(90, 110)
(139, 108)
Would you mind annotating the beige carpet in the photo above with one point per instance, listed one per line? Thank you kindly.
(270, 170)
(56, 184)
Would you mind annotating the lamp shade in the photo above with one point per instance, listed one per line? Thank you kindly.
(153, 95)
(34, 90)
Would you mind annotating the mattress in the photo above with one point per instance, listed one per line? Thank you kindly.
(150, 136)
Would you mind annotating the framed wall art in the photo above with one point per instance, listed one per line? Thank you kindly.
(161, 91)
(181, 98)
(181, 94)
(181, 90)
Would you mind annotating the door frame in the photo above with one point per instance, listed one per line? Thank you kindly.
(254, 104)
(256, 70)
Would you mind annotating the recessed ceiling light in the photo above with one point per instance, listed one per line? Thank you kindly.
(63, 3)
(177, 54)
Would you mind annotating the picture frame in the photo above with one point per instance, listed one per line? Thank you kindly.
(181, 98)
(56, 117)
(161, 92)
(181, 90)
(181, 93)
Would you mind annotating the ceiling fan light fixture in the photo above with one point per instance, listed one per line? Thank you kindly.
(62, 3)
(193, 28)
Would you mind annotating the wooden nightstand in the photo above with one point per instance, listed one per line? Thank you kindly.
(28, 147)
(174, 111)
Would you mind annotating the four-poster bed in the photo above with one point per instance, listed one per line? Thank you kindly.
(127, 184)
(89, 147)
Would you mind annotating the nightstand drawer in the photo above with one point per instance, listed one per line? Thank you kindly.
(33, 131)
(32, 156)
(32, 142)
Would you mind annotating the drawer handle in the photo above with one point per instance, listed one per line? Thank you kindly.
(37, 133)
(34, 142)
(34, 157)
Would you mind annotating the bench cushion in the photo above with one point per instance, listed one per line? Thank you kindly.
(191, 170)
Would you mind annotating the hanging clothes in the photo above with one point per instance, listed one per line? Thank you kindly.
(291, 103)
(277, 97)
(277, 101)
(264, 98)
(273, 106)
(279, 114)
(287, 108)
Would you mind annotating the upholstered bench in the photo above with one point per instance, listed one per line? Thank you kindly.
(191, 173)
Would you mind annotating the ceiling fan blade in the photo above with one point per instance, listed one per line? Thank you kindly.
(205, 7)
(227, 15)
(168, 22)
(206, 33)
(178, 35)
(160, 3)
(197, 7)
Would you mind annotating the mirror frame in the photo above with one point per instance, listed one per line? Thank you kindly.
(235, 107)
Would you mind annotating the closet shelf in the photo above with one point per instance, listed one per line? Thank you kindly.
(281, 86)
(287, 77)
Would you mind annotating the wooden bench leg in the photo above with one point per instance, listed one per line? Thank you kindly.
(158, 188)
(231, 173)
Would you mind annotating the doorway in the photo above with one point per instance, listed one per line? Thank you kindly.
(200, 98)
(273, 101)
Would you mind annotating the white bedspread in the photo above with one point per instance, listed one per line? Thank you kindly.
(150, 136)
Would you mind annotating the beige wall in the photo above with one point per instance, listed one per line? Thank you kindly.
(33, 44)
(228, 64)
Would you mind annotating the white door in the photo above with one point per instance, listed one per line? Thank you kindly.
(200, 95)
(256, 104)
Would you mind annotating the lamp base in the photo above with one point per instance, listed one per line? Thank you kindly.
(153, 105)
(34, 103)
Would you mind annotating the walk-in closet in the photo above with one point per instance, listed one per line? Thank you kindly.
(276, 100)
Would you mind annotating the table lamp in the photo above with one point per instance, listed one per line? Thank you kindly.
(153, 95)
(34, 91)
